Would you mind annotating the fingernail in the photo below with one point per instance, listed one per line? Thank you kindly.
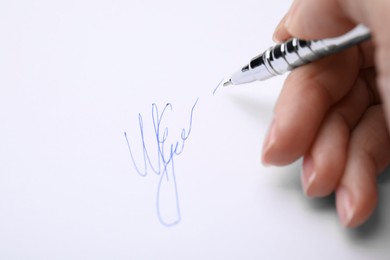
(308, 175)
(291, 12)
(288, 21)
(268, 143)
(276, 37)
(344, 206)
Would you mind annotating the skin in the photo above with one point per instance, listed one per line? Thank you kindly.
(336, 112)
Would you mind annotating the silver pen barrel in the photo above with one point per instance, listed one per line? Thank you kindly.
(294, 53)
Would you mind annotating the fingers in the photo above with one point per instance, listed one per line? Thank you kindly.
(281, 34)
(309, 19)
(383, 68)
(368, 154)
(324, 163)
(337, 158)
(326, 18)
(350, 168)
(308, 94)
(317, 19)
(313, 20)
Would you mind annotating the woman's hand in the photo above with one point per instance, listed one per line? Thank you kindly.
(334, 111)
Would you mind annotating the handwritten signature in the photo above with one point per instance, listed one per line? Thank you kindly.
(159, 158)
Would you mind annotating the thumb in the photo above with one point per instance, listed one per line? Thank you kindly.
(316, 19)
(308, 19)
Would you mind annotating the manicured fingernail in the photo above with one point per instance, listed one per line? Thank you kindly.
(268, 143)
(287, 21)
(308, 175)
(276, 37)
(291, 12)
(344, 206)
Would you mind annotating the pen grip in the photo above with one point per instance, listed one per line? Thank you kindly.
(295, 52)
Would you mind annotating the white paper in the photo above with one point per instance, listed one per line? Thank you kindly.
(75, 76)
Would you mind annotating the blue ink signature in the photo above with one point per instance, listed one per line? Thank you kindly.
(167, 200)
(217, 87)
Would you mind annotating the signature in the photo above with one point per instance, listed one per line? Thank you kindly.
(158, 157)
(217, 87)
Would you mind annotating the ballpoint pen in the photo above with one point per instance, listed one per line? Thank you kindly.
(295, 53)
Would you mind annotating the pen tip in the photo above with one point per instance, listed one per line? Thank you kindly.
(227, 83)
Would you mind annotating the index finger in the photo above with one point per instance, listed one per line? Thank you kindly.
(309, 19)
(308, 94)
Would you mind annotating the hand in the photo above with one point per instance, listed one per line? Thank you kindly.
(334, 111)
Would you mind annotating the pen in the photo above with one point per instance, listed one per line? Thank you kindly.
(295, 53)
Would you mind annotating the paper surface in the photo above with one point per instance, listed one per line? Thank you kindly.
(83, 81)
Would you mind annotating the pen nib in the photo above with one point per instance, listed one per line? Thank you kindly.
(227, 83)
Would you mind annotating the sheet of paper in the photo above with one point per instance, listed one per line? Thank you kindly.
(118, 142)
